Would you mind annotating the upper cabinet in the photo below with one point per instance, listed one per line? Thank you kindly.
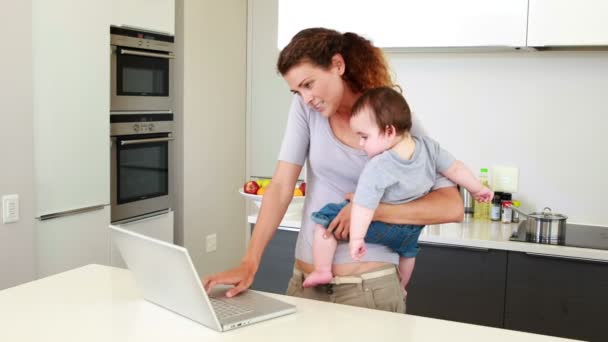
(568, 23)
(153, 15)
(412, 23)
(71, 63)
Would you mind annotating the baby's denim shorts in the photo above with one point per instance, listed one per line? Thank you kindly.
(401, 238)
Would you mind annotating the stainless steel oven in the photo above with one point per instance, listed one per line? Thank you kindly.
(141, 163)
(142, 69)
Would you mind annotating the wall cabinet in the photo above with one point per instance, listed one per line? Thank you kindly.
(557, 296)
(459, 284)
(568, 23)
(154, 15)
(158, 227)
(71, 57)
(276, 267)
(71, 63)
(411, 23)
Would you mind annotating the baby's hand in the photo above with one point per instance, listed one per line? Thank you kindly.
(483, 195)
(357, 249)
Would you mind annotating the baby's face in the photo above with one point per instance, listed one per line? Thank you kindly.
(371, 139)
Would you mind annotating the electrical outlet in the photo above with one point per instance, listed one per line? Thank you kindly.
(211, 242)
(10, 208)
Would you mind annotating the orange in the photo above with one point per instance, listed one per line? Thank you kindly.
(261, 191)
(297, 192)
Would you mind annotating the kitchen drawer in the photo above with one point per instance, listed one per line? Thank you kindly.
(276, 267)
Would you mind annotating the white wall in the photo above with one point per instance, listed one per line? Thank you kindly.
(541, 111)
(17, 254)
(211, 39)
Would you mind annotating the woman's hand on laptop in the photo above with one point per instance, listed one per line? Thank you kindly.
(241, 277)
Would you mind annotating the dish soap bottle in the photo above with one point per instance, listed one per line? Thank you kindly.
(482, 210)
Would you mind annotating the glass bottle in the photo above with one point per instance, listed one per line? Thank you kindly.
(482, 209)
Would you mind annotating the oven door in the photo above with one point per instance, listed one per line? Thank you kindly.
(141, 79)
(140, 175)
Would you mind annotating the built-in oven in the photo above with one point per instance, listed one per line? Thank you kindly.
(142, 68)
(141, 163)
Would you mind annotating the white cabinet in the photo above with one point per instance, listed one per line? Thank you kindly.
(412, 23)
(154, 15)
(568, 23)
(71, 63)
(159, 227)
(73, 241)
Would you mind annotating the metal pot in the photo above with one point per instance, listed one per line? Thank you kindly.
(544, 227)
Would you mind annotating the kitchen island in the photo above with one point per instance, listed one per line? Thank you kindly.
(100, 303)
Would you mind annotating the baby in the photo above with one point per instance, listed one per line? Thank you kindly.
(401, 168)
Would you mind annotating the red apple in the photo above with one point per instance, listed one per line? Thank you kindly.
(302, 188)
(251, 187)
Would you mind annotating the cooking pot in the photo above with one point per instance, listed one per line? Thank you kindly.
(544, 227)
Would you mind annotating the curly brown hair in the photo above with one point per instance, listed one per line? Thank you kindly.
(366, 66)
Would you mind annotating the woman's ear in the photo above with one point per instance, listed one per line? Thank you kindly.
(337, 63)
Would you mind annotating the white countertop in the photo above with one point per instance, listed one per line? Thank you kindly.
(100, 303)
(481, 234)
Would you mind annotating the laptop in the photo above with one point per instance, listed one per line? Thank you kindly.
(166, 276)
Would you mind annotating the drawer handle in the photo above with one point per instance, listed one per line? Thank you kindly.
(477, 249)
(553, 256)
(70, 212)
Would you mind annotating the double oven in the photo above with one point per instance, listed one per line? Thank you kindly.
(141, 123)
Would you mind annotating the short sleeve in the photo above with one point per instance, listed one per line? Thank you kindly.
(372, 185)
(296, 139)
(443, 160)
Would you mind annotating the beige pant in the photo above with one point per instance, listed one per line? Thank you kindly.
(378, 289)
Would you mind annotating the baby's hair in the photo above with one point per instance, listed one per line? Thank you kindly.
(388, 107)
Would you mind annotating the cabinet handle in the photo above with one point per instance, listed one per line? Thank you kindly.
(70, 212)
(552, 256)
(289, 229)
(146, 54)
(477, 249)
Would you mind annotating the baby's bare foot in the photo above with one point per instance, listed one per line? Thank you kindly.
(317, 278)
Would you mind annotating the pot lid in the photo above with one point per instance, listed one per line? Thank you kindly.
(548, 215)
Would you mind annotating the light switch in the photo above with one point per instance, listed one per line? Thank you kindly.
(10, 208)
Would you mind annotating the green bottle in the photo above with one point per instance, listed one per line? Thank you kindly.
(481, 210)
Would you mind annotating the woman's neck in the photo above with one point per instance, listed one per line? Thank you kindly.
(405, 146)
(346, 105)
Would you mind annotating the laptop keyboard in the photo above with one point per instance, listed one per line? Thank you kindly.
(224, 309)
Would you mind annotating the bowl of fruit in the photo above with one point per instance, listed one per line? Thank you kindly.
(254, 190)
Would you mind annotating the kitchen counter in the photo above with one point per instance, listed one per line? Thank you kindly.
(100, 303)
(480, 234)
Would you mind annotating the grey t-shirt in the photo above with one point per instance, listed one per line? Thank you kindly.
(388, 178)
(332, 170)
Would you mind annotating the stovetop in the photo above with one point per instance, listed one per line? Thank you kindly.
(576, 236)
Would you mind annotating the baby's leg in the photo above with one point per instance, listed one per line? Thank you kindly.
(323, 250)
(406, 267)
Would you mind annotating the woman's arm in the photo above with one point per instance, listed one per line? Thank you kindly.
(439, 206)
(274, 205)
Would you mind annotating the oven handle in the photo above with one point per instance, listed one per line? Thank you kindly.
(144, 141)
(146, 54)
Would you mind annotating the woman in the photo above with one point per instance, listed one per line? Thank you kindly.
(328, 71)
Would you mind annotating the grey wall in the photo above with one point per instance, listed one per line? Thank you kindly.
(17, 255)
(541, 111)
(211, 138)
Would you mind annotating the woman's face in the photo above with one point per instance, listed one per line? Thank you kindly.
(320, 89)
(371, 139)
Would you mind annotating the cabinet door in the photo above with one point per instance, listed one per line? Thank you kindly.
(412, 23)
(158, 227)
(559, 297)
(567, 22)
(276, 267)
(154, 15)
(459, 284)
(71, 67)
(73, 241)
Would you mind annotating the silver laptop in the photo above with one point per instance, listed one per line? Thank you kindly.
(166, 276)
